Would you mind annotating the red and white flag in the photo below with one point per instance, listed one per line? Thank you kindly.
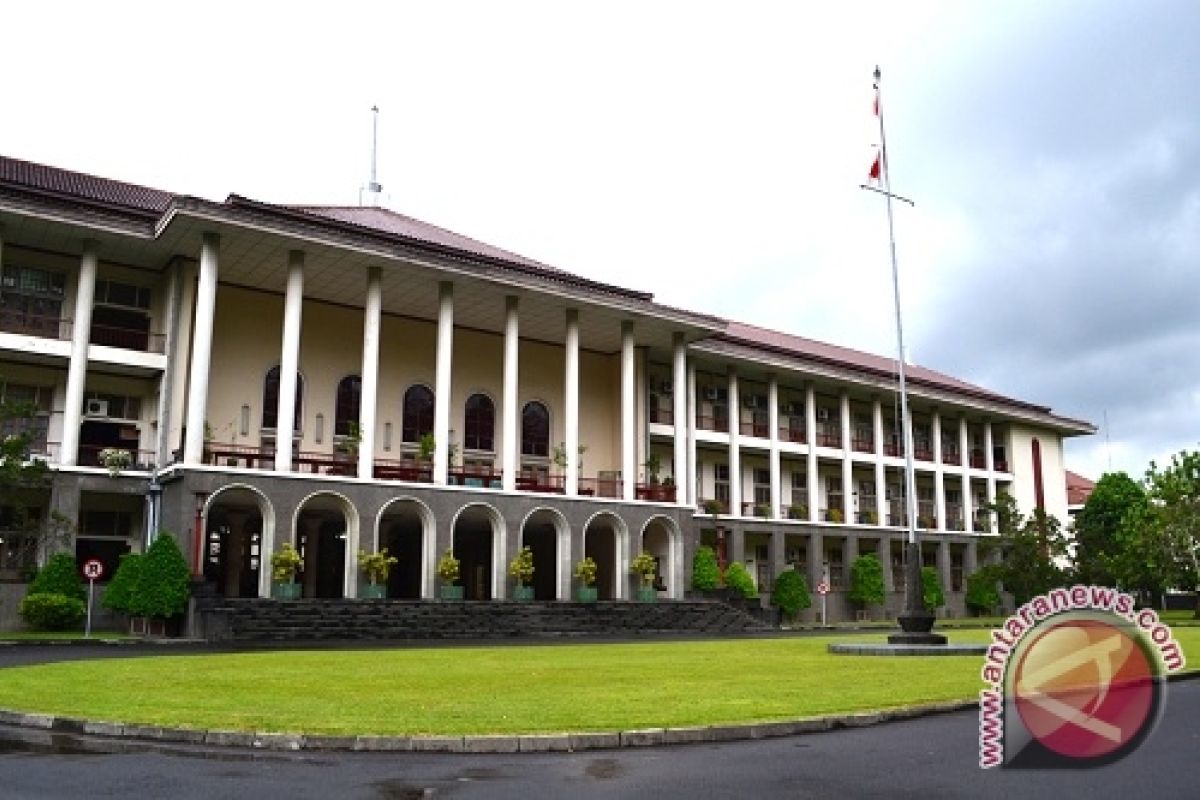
(876, 172)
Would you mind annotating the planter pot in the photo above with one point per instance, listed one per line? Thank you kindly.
(587, 594)
(372, 591)
(647, 594)
(522, 593)
(451, 592)
(285, 591)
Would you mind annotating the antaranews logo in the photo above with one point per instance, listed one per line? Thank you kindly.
(1075, 678)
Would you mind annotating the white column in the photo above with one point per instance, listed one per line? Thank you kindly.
(848, 506)
(509, 443)
(679, 416)
(629, 465)
(968, 501)
(692, 466)
(939, 489)
(880, 474)
(773, 437)
(85, 294)
(443, 364)
(989, 464)
(810, 433)
(202, 336)
(735, 454)
(571, 412)
(289, 360)
(369, 401)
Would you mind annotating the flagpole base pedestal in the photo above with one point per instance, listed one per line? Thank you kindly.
(916, 623)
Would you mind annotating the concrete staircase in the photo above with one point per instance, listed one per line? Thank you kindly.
(316, 620)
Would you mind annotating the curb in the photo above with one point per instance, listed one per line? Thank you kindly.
(100, 641)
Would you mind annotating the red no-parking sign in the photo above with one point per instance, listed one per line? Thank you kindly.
(93, 569)
(822, 588)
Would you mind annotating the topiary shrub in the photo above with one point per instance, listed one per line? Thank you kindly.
(52, 612)
(791, 593)
(982, 594)
(60, 575)
(163, 582)
(931, 588)
(866, 580)
(119, 594)
(739, 580)
(706, 574)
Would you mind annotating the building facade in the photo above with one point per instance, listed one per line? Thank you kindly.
(439, 393)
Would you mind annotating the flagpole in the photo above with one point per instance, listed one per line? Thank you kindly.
(916, 622)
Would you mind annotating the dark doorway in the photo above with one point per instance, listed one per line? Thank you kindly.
(231, 551)
(403, 540)
(473, 548)
(600, 543)
(542, 539)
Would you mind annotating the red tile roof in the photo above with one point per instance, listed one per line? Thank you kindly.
(1079, 488)
(856, 359)
(387, 221)
(78, 185)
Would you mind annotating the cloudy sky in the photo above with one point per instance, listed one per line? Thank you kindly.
(712, 153)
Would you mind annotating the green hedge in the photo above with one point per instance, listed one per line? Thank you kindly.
(119, 594)
(60, 575)
(931, 587)
(705, 572)
(739, 580)
(791, 592)
(163, 582)
(52, 612)
(866, 580)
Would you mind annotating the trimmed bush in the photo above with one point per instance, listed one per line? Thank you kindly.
(60, 575)
(163, 582)
(52, 612)
(119, 594)
(866, 580)
(705, 572)
(982, 594)
(739, 580)
(931, 587)
(791, 593)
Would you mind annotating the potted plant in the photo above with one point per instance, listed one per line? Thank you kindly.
(425, 447)
(834, 515)
(285, 563)
(447, 570)
(653, 465)
(376, 567)
(762, 510)
(352, 439)
(871, 516)
(115, 459)
(645, 567)
(585, 571)
(714, 507)
(521, 568)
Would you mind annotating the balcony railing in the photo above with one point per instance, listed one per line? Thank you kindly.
(756, 429)
(128, 339)
(922, 451)
(863, 445)
(44, 326)
(952, 457)
(61, 328)
(662, 416)
(893, 449)
(792, 433)
(89, 456)
(1000, 465)
(830, 437)
(978, 461)
(718, 423)
(655, 492)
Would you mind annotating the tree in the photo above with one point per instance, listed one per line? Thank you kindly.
(22, 473)
(1030, 550)
(119, 594)
(1100, 533)
(706, 575)
(982, 594)
(739, 580)
(59, 576)
(931, 589)
(1175, 519)
(163, 581)
(791, 593)
(866, 580)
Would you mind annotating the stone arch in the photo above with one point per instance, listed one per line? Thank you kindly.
(662, 538)
(606, 540)
(329, 521)
(546, 531)
(238, 518)
(479, 539)
(408, 528)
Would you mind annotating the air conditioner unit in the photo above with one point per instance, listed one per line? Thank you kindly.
(792, 409)
(95, 408)
(710, 393)
(823, 414)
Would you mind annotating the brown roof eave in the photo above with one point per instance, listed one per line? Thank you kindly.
(63, 201)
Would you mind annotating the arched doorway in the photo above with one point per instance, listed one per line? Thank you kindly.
(233, 542)
(405, 527)
(661, 539)
(542, 532)
(326, 530)
(604, 539)
(479, 547)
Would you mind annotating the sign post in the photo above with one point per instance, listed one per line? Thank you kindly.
(823, 590)
(93, 570)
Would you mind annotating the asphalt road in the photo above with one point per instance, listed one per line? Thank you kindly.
(932, 757)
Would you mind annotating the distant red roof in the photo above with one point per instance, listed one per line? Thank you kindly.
(1079, 488)
(382, 219)
(79, 185)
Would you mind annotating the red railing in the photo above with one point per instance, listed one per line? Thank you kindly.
(792, 433)
(655, 492)
(128, 339)
(706, 422)
(892, 449)
(829, 438)
(547, 484)
(51, 327)
(922, 452)
(951, 457)
(863, 445)
(756, 429)
(662, 416)
(478, 477)
(1000, 465)
(978, 461)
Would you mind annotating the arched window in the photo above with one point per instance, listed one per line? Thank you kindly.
(480, 423)
(270, 411)
(346, 409)
(418, 413)
(535, 430)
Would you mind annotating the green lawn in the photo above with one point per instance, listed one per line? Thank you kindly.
(504, 689)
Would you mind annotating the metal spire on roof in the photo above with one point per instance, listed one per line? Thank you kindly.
(374, 188)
